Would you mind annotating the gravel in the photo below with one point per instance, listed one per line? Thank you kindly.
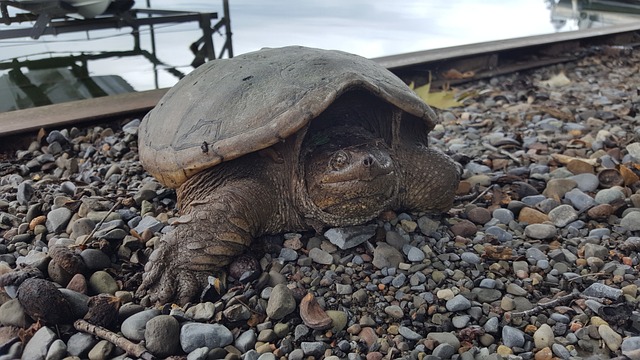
(538, 258)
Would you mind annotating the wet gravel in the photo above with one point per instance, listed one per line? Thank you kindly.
(538, 259)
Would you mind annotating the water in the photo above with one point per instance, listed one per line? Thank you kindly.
(371, 28)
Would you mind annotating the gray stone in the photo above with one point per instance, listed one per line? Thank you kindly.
(350, 237)
(80, 344)
(197, 335)
(562, 215)
(594, 250)
(504, 216)
(162, 335)
(543, 337)
(201, 353)
(409, 334)
(246, 341)
(631, 347)
(458, 303)
(95, 259)
(586, 182)
(540, 231)
(386, 256)
(102, 282)
(101, 350)
(57, 350)
(501, 234)
(57, 219)
(25, 193)
(598, 290)
(470, 258)
(492, 325)
(444, 351)
(413, 253)
(315, 348)
(445, 338)
(394, 311)
(78, 302)
(428, 226)
(512, 337)
(460, 321)
(281, 302)
(631, 221)
(608, 196)
(133, 327)
(201, 311)
(561, 351)
(148, 223)
(36, 348)
(320, 256)
(579, 200)
(12, 314)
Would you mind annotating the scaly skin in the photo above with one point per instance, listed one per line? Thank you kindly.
(231, 204)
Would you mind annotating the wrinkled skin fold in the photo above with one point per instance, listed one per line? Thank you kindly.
(347, 168)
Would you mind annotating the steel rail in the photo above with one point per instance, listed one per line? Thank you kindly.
(482, 59)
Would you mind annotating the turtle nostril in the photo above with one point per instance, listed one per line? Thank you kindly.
(368, 161)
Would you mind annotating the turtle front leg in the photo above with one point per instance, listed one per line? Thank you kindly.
(215, 230)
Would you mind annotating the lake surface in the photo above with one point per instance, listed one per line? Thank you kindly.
(371, 28)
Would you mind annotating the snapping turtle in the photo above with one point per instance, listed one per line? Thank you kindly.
(281, 140)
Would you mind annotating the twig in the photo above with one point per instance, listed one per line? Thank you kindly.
(482, 193)
(133, 349)
(502, 151)
(587, 275)
(546, 305)
(101, 221)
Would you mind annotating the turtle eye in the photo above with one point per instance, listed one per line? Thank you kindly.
(339, 160)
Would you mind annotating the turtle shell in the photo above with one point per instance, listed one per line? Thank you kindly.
(228, 108)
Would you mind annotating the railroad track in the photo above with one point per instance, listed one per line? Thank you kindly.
(451, 65)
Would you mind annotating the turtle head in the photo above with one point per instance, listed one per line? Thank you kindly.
(349, 173)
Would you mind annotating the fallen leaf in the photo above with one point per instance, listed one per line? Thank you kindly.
(556, 81)
(441, 100)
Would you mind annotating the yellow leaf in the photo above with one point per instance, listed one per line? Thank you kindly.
(556, 81)
(440, 100)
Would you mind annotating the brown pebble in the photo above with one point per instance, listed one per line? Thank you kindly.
(532, 216)
(556, 188)
(368, 335)
(600, 212)
(374, 355)
(313, 315)
(577, 166)
(609, 178)
(78, 283)
(479, 215)
(628, 176)
(464, 187)
(544, 354)
(38, 220)
(464, 228)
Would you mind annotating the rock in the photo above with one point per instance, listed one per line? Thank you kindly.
(57, 350)
(162, 335)
(13, 314)
(394, 311)
(134, 327)
(315, 348)
(579, 200)
(532, 216)
(57, 219)
(80, 344)
(557, 188)
(338, 320)
(350, 237)
(445, 338)
(281, 302)
(504, 216)
(594, 250)
(598, 290)
(631, 347)
(562, 215)
(458, 303)
(148, 223)
(543, 337)
(540, 231)
(609, 196)
(386, 256)
(512, 337)
(101, 350)
(197, 335)
(320, 256)
(444, 351)
(631, 221)
(95, 259)
(464, 228)
(102, 282)
(36, 348)
(246, 341)
(40, 299)
(201, 312)
(409, 334)
(600, 212)
(479, 215)
(612, 339)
